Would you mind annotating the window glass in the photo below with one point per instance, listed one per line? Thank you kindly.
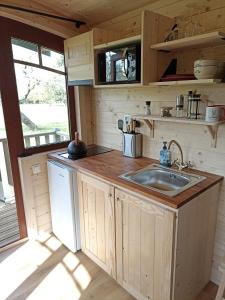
(25, 51)
(43, 105)
(52, 59)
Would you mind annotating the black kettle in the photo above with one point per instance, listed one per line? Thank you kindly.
(76, 149)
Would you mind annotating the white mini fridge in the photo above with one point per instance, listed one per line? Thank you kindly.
(64, 204)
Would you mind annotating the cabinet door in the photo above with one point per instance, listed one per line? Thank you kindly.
(144, 247)
(79, 57)
(97, 221)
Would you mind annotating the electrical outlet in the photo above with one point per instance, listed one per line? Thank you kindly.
(127, 119)
(36, 169)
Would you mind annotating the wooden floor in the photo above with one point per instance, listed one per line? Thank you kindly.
(9, 227)
(46, 270)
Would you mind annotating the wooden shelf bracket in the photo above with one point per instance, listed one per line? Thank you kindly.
(150, 125)
(213, 130)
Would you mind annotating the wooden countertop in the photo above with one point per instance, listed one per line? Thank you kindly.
(110, 165)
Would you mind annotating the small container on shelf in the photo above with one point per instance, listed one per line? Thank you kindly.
(148, 108)
(165, 111)
(193, 105)
(180, 106)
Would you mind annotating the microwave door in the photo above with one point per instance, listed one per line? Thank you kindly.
(113, 65)
(122, 65)
(109, 67)
(121, 70)
(131, 66)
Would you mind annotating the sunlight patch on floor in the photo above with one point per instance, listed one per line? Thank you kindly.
(71, 261)
(18, 266)
(43, 237)
(58, 284)
(82, 277)
(53, 244)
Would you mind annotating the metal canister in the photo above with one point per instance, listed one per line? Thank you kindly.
(180, 106)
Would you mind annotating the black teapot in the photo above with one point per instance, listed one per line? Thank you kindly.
(76, 149)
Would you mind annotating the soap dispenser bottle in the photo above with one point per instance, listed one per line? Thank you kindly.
(165, 156)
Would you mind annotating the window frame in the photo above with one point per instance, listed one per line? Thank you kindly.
(10, 103)
(70, 103)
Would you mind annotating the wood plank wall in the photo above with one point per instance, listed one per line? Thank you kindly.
(111, 104)
(35, 195)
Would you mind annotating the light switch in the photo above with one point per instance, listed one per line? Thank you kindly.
(36, 169)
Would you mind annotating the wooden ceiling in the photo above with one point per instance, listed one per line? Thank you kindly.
(92, 12)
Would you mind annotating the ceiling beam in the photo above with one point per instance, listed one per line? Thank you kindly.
(58, 27)
(76, 22)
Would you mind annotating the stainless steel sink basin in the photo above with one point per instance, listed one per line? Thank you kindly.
(164, 180)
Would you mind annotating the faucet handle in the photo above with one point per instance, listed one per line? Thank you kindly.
(178, 164)
(181, 165)
(189, 164)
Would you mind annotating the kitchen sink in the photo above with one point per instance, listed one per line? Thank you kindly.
(164, 180)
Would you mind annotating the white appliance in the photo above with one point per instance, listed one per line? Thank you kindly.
(64, 204)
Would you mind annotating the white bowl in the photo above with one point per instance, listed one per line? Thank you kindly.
(209, 72)
(208, 62)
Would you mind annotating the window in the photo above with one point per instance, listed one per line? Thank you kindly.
(42, 93)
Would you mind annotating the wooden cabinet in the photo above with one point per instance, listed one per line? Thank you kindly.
(81, 51)
(79, 58)
(144, 247)
(97, 221)
(154, 252)
(152, 29)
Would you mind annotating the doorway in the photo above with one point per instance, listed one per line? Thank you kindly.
(9, 227)
(33, 122)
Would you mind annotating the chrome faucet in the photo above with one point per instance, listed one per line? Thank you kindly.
(181, 165)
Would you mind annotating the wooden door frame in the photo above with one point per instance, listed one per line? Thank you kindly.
(8, 88)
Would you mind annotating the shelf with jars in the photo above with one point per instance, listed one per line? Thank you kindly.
(211, 126)
(186, 82)
(186, 43)
(189, 113)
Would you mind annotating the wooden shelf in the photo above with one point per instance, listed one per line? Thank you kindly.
(186, 82)
(179, 120)
(125, 85)
(212, 126)
(201, 40)
(135, 38)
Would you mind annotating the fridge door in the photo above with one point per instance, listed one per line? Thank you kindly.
(62, 200)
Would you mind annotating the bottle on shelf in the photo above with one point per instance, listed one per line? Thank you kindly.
(148, 108)
(180, 106)
(194, 101)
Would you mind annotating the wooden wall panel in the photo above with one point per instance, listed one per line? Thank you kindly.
(35, 195)
(84, 115)
(111, 104)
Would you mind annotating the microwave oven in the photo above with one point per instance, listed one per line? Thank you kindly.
(120, 65)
